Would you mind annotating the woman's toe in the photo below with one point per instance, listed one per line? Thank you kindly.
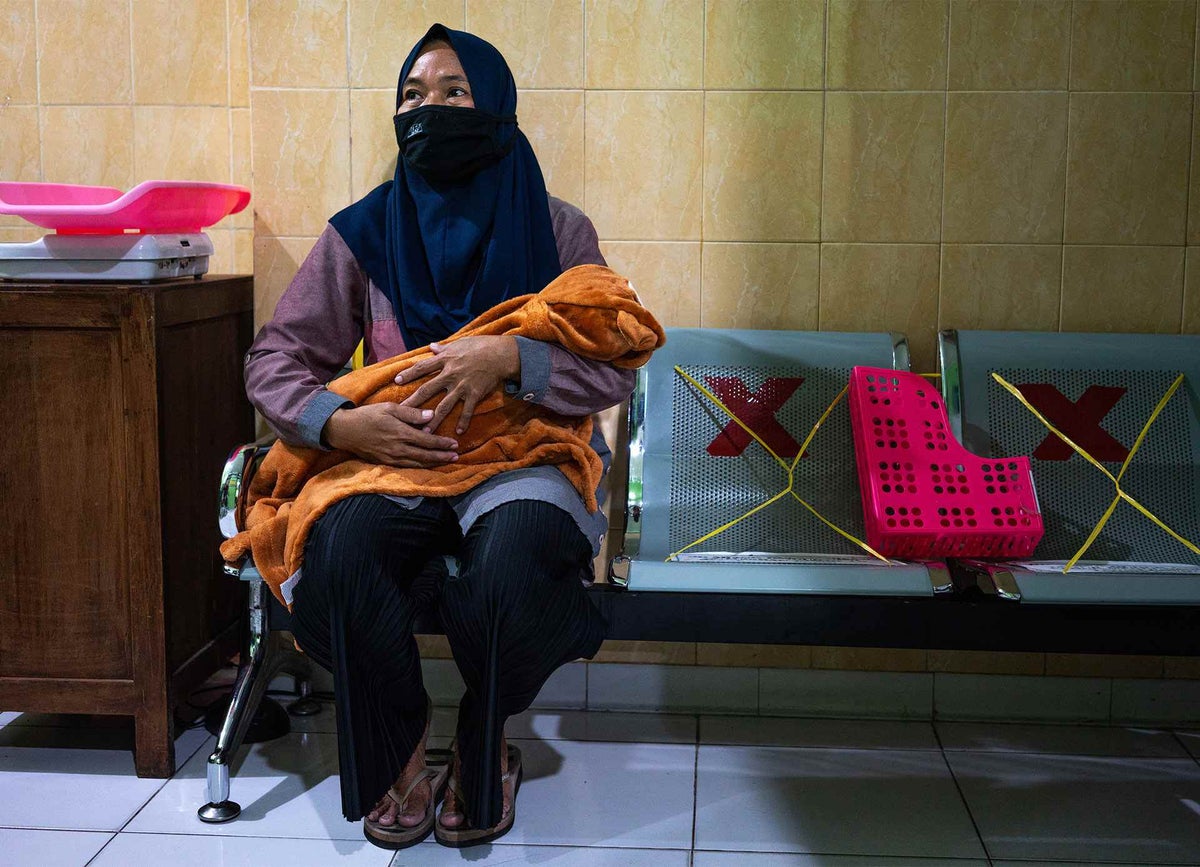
(411, 817)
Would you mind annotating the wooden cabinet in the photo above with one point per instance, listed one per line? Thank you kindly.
(120, 403)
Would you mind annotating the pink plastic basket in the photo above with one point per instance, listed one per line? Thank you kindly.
(152, 206)
(925, 496)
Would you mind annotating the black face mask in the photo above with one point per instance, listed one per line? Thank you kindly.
(449, 143)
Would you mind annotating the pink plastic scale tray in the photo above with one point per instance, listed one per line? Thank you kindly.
(151, 206)
(924, 495)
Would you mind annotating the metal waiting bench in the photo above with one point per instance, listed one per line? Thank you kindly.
(1098, 389)
(780, 576)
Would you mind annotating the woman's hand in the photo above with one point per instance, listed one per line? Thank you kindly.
(388, 433)
(467, 370)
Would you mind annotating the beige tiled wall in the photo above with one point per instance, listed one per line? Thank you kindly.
(804, 164)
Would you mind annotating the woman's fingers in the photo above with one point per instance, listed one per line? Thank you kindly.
(447, 403)
(470, 401)
(410, 415)
(424, 367)
(413, 438)
(442, 382)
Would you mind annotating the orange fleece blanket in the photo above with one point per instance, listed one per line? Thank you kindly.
(589, 310)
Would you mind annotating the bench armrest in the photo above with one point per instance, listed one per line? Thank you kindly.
(239, 469)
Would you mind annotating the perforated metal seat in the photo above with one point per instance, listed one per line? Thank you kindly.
(692, 470)
(1100, 389)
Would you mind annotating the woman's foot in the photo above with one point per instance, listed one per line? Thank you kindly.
(416, 805)
(451, 817)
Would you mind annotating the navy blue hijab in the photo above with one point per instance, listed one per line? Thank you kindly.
(445, 253)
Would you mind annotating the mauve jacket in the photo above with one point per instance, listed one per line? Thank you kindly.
(331, 304)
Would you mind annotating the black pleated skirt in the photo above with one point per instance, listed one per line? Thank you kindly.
(513, 614)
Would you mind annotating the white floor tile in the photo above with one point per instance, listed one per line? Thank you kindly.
(442, 681)
(773, 859)
(432, 855)
(1191, 742)
(21, 846)
(1021, 697)
(1072, 864)
(596, 794)
(851, 802)
(566, 688)
(185, 850)
(1137, 810)
(881, 694)
(580, 725)
(324, 721)
(44, 786)
(61, 720)
(1060, 740)
(647, 728)
(826, 733)
(678, 688)
(287, 788)
(79, 732)
(444, 721)
(1162, 702)
(68, 737)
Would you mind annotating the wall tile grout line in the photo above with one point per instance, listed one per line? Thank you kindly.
(703, 183)
(250, 119)
(229, 110)
(1187, 206)
(821, 159)
(133, 113)
(583, 49)
(679, 90)
(937, 313)
(1062, 272)
(350, 114)
(37, 82)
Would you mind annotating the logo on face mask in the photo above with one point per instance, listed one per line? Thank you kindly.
(450, 143)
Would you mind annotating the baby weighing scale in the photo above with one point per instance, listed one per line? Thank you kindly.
(153, 232)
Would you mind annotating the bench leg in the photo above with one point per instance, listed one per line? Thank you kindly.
(253, 677)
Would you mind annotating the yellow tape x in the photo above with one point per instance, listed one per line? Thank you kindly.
(1116, 480)
(790, 469)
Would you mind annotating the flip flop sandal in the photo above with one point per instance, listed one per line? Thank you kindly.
(396, 836)
(464, 836)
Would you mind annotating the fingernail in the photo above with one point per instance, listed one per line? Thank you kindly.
(460, 431)
(426, 414)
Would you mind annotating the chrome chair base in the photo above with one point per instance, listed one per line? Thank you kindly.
(264, 656)
(215, 814)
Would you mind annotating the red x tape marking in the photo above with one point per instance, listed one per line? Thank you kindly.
(1079, 420)
(757, 410)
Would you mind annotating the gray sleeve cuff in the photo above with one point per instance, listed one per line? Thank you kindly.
(312, 420)
(535, 371)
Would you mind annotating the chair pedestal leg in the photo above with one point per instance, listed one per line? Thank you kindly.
(305, 705)
(252, 680)
(219, 808)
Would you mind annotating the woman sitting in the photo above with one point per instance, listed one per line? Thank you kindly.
(465, 224)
